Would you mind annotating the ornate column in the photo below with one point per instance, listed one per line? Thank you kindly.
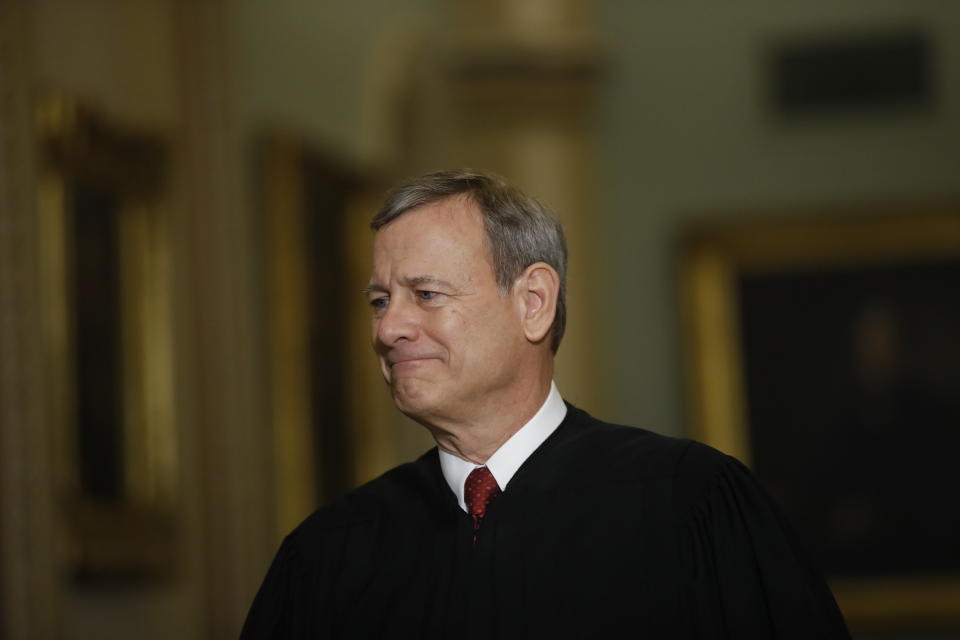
(223, 392)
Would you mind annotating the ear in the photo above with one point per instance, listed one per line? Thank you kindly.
(537, 290)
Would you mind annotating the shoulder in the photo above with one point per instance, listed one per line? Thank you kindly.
(688, 469)
(635, 447)
(406, 487)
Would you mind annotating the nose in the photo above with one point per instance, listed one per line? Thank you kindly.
(399, 322)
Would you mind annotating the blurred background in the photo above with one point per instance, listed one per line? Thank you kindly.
(762, 202)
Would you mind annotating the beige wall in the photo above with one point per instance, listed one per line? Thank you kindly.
(329, 72)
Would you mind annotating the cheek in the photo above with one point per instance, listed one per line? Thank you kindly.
(487, 334)
(455, 333)
(450, 328)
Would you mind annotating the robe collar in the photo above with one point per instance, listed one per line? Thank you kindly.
(506, 460)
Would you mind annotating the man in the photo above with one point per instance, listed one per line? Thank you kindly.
(530, 518)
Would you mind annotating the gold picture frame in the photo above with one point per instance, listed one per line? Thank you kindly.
(310, 204)
(106, 273)
(722, 269)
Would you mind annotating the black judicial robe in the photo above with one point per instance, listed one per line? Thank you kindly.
(605, 531)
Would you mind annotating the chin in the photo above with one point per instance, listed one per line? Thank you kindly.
(413, 399)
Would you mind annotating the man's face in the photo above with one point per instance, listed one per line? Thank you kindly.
(447, 341)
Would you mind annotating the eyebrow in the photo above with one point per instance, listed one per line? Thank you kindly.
(373, 287)
(419, 281)
(414, 281)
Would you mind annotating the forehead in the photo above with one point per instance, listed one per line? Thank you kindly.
(447, 235)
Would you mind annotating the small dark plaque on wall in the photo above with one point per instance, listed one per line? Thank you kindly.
(857, 72)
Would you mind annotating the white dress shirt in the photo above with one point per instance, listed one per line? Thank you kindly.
(514, 452)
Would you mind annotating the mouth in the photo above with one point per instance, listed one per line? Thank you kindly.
(408, 361)
(405, 361)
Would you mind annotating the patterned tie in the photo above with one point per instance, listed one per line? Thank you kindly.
(479, 491)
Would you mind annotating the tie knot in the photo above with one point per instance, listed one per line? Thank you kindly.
(479, 490)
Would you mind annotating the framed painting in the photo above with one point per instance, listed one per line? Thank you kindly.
(311, 222)
(105, 265)
(824, 353)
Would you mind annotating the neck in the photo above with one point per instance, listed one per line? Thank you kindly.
(475, 440)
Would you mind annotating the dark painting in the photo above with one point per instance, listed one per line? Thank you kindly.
(853, 401)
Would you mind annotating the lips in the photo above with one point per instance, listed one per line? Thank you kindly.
(408, 360)
(395, 357)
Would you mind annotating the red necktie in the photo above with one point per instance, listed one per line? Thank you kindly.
(479, 491)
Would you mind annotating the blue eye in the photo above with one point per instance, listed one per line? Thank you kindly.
(379, 303)
(427, 295)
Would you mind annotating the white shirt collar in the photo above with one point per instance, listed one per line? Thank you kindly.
(514, 452)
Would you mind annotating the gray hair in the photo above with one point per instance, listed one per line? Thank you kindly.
(520, 231)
